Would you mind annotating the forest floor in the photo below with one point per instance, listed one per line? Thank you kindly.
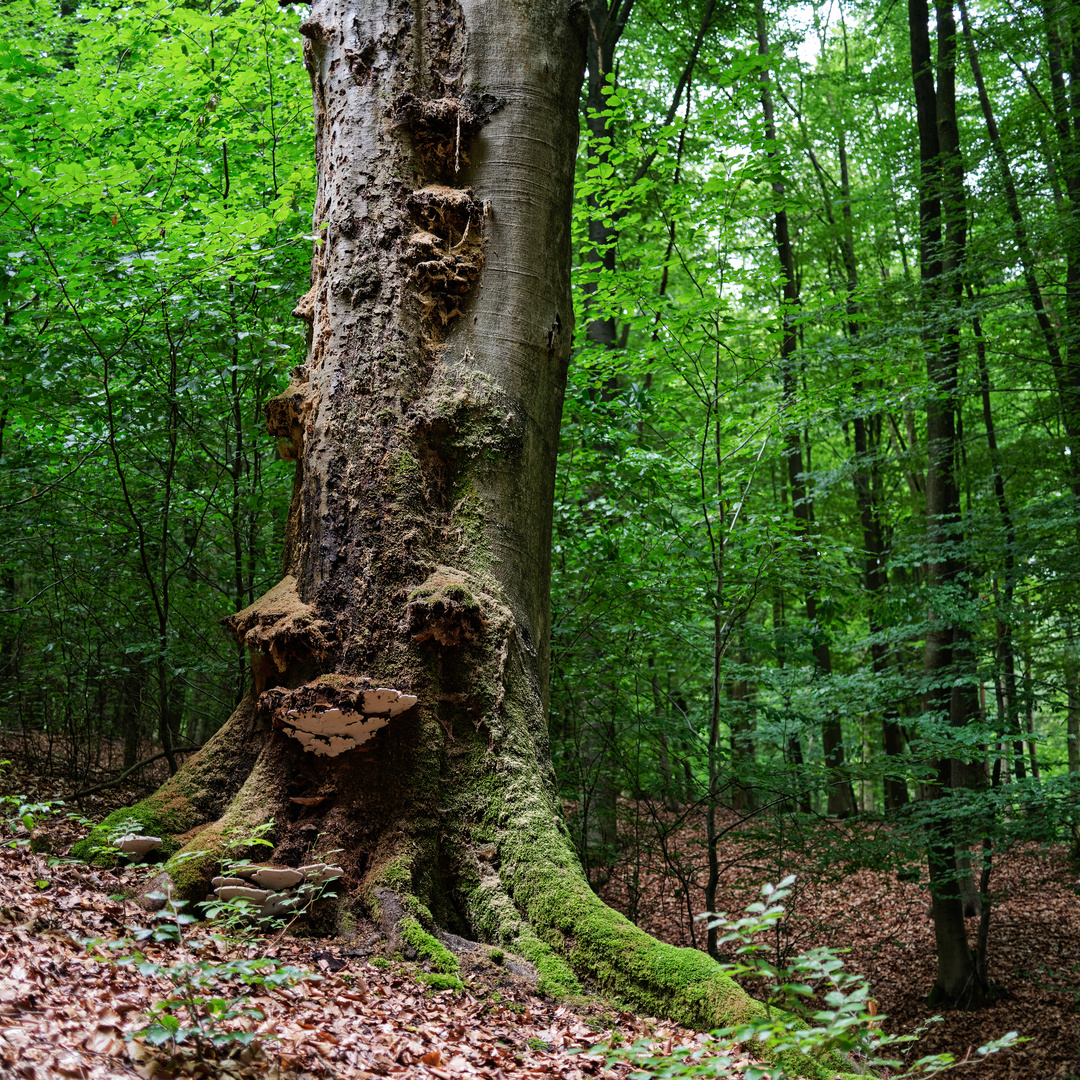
(81, 987)
(881, 924)
(360, 1013)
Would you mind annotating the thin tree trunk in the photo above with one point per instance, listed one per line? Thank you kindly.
(669, 794)
(841, 794)
(1072, 691)
(942, 250)
(743, 797)
(1029, 711)
(1066, 108)
(607, 21)
(1006, 654)
(866, 479)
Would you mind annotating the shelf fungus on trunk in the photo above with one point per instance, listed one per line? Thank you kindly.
(333, 714)
(276, 890)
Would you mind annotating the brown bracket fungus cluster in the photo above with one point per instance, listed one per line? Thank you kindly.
(446, 250)
(288, 413)
(275, 890)
(444, 609)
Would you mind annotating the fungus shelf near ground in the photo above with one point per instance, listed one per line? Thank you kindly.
(275, 890)
(137, 845)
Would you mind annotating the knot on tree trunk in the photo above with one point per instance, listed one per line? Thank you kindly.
(444, 609)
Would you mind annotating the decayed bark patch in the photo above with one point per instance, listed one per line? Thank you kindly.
(445, 610)
(279, 625)
(441, 128)
(446, 250)
(288, 412)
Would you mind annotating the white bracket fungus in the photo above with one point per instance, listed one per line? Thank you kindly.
(219, 881)
(280, 903)
(138, 845)
(243, 892)
(277, 878)
(284, 890)
(319, 873)
(329, 732)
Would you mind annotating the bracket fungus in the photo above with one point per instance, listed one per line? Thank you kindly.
(219, 881)
(319, 873)
(243, 892)
(137, 845)
(277, 877)
(282, 903)
(278, 890)
(328, 732)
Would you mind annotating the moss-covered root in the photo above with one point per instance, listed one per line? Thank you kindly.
(199, 793)
(662, 979)
(417, 944)
(495, 918)
(188, 872)
(605, 948)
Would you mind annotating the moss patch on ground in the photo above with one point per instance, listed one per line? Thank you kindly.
(426, 947)
(439, 981)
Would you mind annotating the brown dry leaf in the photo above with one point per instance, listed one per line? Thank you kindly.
(104, 1041)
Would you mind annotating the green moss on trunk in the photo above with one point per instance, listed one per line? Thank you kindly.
(427, 948)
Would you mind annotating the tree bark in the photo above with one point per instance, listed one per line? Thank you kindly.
(943, 228)
(425, 426)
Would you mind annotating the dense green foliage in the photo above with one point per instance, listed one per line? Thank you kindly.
(706, 632)
(157, 162)
(741, 548)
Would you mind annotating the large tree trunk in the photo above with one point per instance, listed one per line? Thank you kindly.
(424, 427)
(946, 663)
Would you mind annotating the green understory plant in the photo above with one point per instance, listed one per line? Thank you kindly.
(17, 810)
(814, 1012)
(207, 995)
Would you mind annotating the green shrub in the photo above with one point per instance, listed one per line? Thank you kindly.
(815, 1014)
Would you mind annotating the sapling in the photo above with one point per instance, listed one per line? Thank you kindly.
(195, 1013)
(814, 1013)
